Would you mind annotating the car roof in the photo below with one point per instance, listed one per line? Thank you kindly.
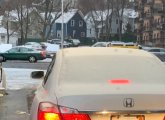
(84, 51)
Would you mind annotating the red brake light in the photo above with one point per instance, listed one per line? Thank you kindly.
(119, 81)
(43, 53)
(49, 111)
(75, 117)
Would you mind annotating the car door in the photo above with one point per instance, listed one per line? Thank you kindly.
(24, 53)
(12, 54)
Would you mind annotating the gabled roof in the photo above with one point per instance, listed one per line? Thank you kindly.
(67, 16)
(52, 15)
(102, 15)
(130, 13)
(14, 14)
(98, 15)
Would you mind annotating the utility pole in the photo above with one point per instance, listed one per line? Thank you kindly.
(62, 25)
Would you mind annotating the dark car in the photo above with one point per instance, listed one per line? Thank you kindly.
(23, 53)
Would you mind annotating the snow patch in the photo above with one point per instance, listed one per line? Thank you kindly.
(5, 47)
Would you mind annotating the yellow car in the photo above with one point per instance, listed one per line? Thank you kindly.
(124, 45)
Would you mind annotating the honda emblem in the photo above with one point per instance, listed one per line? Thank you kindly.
(128, 102)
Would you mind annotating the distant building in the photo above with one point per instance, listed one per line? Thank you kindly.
(151, 22)
(13, 39)
(74, 25)
(34, 22)
(98, 21)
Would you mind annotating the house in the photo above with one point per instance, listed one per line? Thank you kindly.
(32, 24)
(13, 38)
(98, 21)
(74, 25)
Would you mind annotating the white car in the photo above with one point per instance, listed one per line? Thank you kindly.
(74, 42)
(34, 45)
(50, 49)
(101, 44)
(101, 84)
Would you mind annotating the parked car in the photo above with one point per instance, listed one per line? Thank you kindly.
(50, 49)
(155, 50)
(160, 56)
(117, 44)
(23, 53)
(159, 52)
(101, 44)
(88, 83)
(58, 42)
(34, 45)
(74, 42)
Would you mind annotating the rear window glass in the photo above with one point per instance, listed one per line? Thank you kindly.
(96, 69)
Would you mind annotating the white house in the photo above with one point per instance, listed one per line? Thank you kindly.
(100, 18)
(13, 39)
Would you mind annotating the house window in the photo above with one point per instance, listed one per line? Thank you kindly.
(29, 21)
(117, 21)
(82, 34)
(154, 35)
(72, 23)
(74, 33)
(117, 30)
(80, 23)
(3, 39)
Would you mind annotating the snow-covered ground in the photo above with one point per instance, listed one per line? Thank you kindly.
(5, 47)
(20, 78)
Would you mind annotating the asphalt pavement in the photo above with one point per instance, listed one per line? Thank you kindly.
(15, 105)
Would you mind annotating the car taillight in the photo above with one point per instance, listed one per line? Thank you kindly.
(43, 53)
(49, 111)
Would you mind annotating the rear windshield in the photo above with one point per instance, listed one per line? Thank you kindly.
(88, 69)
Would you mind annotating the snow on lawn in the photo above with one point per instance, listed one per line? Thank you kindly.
(52, 47)
(5, 47)
(20, 78)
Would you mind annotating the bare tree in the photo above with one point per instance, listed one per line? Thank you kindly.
(120, 5)
(23, 8)
(7, 7)
(52, 11)
(110, 14)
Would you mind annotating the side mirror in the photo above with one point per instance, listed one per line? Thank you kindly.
(37, 74)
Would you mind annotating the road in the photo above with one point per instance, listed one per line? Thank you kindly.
(26, 65)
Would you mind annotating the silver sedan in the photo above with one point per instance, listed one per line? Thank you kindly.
(101, 84)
